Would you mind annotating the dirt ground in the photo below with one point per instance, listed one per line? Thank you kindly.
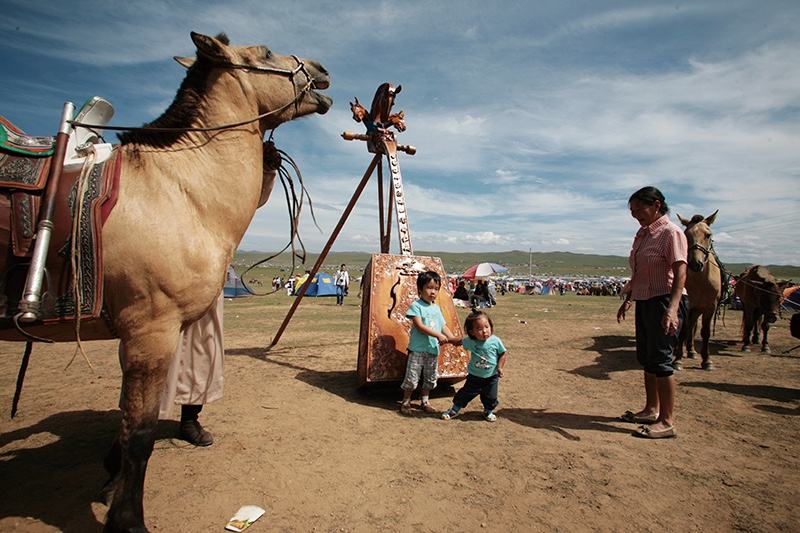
(294, 436)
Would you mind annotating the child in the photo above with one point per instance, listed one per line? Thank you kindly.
(427, 332)
(486, 362)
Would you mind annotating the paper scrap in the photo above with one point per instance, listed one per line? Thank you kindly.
(244, 518)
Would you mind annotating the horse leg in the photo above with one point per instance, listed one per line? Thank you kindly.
(746, 326)
(678, 352)
(691, 327)
(144, 372)
(764, 330)
(113, 465)
(757, 318)
(705, 335)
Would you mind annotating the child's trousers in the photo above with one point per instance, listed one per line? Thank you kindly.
(486, 387)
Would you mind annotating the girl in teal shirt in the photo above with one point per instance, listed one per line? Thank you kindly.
(486, 362)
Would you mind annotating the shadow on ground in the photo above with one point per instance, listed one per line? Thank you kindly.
(565, 424)
(342, 383)
(768, 392)
(615, 353)
(57, 482)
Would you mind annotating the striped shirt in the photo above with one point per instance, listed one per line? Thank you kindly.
(655, 249)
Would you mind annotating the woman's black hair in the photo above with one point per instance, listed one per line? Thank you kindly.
(472, 318)
(427, 276)
(648, 196)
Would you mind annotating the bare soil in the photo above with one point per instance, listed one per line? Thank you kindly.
(295, 436)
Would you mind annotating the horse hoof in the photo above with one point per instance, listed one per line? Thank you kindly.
(677, 365)
(707, 365)
(691, 355)
(766, 350)
(745, 349)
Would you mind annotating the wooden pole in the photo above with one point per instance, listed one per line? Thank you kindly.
(380, 209)
(23, 367)
(324, 253)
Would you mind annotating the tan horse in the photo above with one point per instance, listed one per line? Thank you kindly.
(185, 201)
(703, 285)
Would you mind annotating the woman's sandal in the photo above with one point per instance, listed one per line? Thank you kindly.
(630, 416)
(648, 432)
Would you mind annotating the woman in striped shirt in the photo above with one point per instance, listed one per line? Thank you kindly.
(658, 273)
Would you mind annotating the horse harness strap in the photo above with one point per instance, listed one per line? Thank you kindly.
(301, 67)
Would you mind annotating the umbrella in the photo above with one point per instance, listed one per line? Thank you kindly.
(481, 270)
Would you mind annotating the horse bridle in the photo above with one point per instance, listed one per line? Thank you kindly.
(301, 67)
(298, 95)
(706, 251)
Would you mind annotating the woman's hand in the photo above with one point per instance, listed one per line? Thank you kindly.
(623, 308)
(670, 321)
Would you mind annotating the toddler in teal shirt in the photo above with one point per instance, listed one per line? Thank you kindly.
(486, 362)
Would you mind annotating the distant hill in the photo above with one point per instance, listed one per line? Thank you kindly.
(518, 262)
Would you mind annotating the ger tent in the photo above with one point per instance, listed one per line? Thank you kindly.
(234, 288)
(321, 285)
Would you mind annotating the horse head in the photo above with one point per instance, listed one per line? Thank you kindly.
(698, 237)
(382, 102)
(275, 79)
(359, 111)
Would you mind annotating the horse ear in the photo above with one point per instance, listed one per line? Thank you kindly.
(185, 62)
(398, 89)
(710, 219)
(209, 47)
(683, 220)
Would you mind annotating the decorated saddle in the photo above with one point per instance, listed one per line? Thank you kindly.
(86, 194)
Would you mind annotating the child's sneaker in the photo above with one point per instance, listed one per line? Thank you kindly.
(405, 408)
(490, 416)
(450, 413)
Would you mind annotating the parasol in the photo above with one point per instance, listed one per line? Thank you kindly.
(482, 270)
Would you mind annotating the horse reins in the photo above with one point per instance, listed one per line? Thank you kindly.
(298, 95)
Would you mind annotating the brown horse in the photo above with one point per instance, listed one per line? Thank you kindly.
(761, 295)
(703, 285)
(186, 198)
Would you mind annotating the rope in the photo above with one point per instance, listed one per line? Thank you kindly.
(294, 101)
(75, 254)
(294, 203)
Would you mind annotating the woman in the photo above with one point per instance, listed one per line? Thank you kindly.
(342, 280)
(658, 274)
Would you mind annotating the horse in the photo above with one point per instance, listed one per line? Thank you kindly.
(186, 198)
(703, 285)
(761, 295)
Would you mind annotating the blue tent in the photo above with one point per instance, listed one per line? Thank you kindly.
(322, 285)
(234, 288)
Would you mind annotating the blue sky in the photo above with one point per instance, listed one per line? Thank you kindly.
(534, 121)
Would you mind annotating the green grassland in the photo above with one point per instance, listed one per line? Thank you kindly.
(519, 263)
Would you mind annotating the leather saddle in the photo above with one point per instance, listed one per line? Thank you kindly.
(25, 163)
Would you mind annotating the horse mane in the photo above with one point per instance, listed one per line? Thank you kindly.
(183, 110)
(695, 219)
